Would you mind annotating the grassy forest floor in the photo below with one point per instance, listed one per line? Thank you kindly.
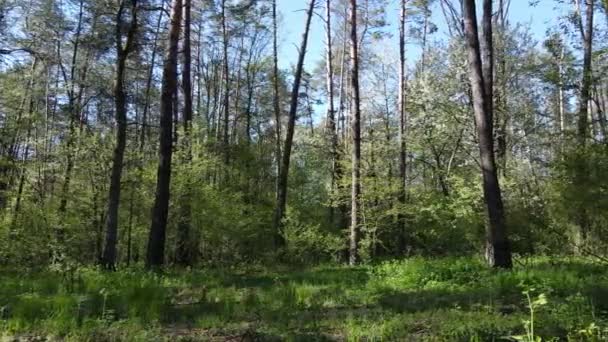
(411, 300)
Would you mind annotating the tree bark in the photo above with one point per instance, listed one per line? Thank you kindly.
(402, 126)
(587, 35)
(74, 117)
(356, 136)
(561, 97)
(120, 104)
(502, 116)
(586, 32)
(601, 111)
(9, 151)
(145, 129)
(225, 134)
(331, 111)
(281, 205)
(184, 251)
(156, 241)
(277, 96)
(498, 251)
(29, 123)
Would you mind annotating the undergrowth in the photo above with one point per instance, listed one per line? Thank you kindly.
(455, 299)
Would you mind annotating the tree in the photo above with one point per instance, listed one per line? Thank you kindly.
(586, 32)
(156, 240)
(281, 204)
(498, 251)
(331, 111)
(402, 118)
(120, 103)
(226, 103)
(145, 129)
(277, 96)
(74, 99)
(183, 256)
(356, 138)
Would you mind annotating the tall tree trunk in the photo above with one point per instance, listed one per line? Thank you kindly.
(199, 69)
(120, 104)
(9, 154)
(587, 35)
(601, 111)
(234, 136)
(184, 250)
(561, 95)
(286, 157)
(331, 112)
(343, 210)
(156, 242)
(251, 74)
(402, 126)
(225, 134)
(277, 95)
(341, 90)
(502, 115)
(425, 32)
(356, 133)
(73, 113)
(145, 129)
(586, 32)
(487, 52)
(130, 225)
(498, 251)
(29, 123)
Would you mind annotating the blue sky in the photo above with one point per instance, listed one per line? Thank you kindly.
(292, 12)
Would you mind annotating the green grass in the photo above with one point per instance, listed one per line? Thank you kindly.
(415, 299)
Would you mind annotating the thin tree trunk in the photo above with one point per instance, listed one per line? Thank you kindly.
(502, 114)
(561, 100)
(130, 225)
(199, 72)
(402, 126)
(587, 35)
(356, 136)
(184, 251)
(251, 74)
(237, 92)
(425, 31)
(309, 109)
(498, 251)
(331, 112)
(601, 111)
(277, 96)
(145, 131)
(225, 135)
(7, 167)
(120, 103)
(293, 109)
(71, 139)
(156, 242)
(26, 154)
(584, 110)
(341, 92)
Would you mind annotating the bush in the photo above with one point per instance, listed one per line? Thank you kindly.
(309, 244)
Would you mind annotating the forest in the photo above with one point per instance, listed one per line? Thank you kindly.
(303, 170)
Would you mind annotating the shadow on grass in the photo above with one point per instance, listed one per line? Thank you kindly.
(324, 276)
(304, 305)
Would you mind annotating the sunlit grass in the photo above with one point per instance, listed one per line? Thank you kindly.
(444, 299)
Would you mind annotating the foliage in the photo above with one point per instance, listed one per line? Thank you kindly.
(569, 193)
(308, 245)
